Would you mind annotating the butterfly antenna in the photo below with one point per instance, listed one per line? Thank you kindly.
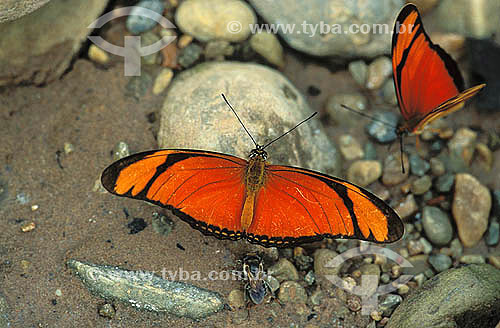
(402, 153)
(243, 125)
(284, 134)
(367, 116)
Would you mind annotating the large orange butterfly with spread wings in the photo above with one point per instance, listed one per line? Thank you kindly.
(427, 80)
(271, 205)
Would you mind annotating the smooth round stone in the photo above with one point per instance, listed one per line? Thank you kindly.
(283, 270)
(437, 225)
(493, 233)
(207, 20)
(389, 303)
(321, 26)
(418, 166)
(440, 262)
(472, 259)
(383, 132)
(392, 174)
(462, 145)
(350, 147)
(471, 207)
(268, 46)
(415, 247)
(236, 299)
(359, 71)
(444, 183)
(370, 151)
(340, 115)
(364, 172)
(189, 55)
(163, 80)
(218, 49)
(407, 207)
(292, 292)
(194, 103)
(437, 167)
(426, 246)
(389, 93)
(322, 257)
(138, 23)
(421, 185)
(378, 72)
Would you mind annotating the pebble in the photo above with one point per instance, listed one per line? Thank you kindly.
(97, 55)
(494, 260)
(403, 289)
(415, 247)
(370, 151)
(28, 227)
(444, 183)
(471, 207)
(172, 297)
(437, 167)
(121, 151)
(136, 23)
(322, 257)
(22, 198)
(169, 55)
(107, 310)
(359, 71)
(354, 303)
(189, 55)
(316, 297)
(58, 292)
(350, 147)
(236, 299)
(184, 41)
(364, 172)
(292, 292)
(462, 145)
(440, 262)
(418, 166)
(162, 80)
(493, 233)
(310, 278)
(437, 225)
(342, 116)
(456, 248)
(427, 246)
(207, 20)
(484, 155)
(421, 185)
(240, 316)
(268, 46)
(392, 174)
(472, 259)
(218, 49)
(378, 71)
(407, 207)
(382, 132)
(162, 224)
(385, 278)
(389, 303)
(283, 270)
(389, 93)
(68, 148)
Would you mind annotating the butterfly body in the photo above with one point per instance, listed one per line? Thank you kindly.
(271, 205)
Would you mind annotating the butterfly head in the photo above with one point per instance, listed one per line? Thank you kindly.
(258, 152)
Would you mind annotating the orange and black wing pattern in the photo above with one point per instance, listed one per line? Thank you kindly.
(203, 188)
(427, 80)
(296, 206)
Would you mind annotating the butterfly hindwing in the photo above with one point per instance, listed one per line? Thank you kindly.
(297, 205)
(204, 188)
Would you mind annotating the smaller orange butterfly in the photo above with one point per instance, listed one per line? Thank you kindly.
(427, 80)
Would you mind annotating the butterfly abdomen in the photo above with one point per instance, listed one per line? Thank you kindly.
(254, 180)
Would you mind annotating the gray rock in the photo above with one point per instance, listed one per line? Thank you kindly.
(207, 20)
(437, 225)
(339, 14)
(364, 172)
(389, 93)
(445, 182)
(493, 233)
(418, 166)
(321, 257)
(472, 259)
(138, 23)
(189, 55)
(463, 144)
(437, 167)
(33, 51)
(464, 297)
(350, 147)
(194, 102)
(268, 46)
(392, 174)
(421, 185)
(389, 303)
(378, 72)
(283, 270)
(440, 262)
(146, 291)
(407, 207)
(359, 71)
(383, 132)
(471, 208)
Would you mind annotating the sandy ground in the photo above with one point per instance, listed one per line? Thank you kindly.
(89, 109)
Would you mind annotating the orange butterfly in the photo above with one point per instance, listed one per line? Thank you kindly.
(427, 80)
(271, 205)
